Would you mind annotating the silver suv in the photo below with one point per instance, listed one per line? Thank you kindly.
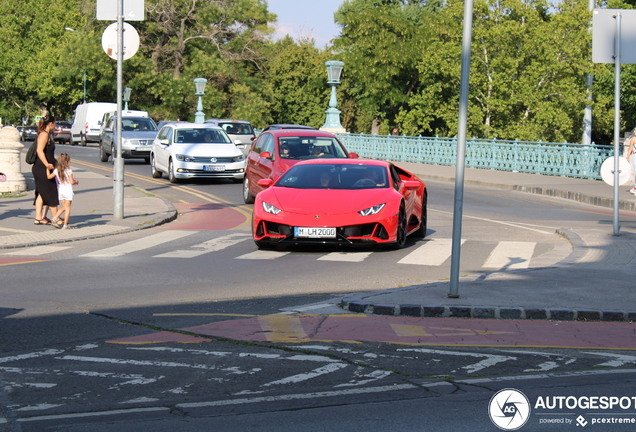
(240, 132)
(137, 134)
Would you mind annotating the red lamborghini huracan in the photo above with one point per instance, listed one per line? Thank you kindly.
(340, 201)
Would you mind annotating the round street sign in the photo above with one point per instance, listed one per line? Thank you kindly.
(624, 171)
(131, 41)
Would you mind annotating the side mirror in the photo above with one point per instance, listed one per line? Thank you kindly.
(238, 142)
(411, 184)
(164, 142)
(266, 155)
(108, 130)
(353, 155)
(266, 182)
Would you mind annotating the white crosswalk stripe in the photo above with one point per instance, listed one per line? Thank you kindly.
(213, 245)
(38, 250)
(432, 253)
(510, 255)
(263, 255)
(345, 256)
(140, 244)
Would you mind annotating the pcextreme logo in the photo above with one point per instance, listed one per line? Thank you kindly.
(509, 409)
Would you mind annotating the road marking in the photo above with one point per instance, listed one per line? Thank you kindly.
(298, 396)
(309, 375)
(516, 225)
(432, 253)
(619, 361)
(491, 359)
(510, 255)
(263, 255)
(282, 328)
(345, 256)
(134, 362)
(213, 245)
(140, 244)
(92, 414)
(38, 250)
(30, 355)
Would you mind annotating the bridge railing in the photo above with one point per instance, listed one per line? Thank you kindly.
(558, 159)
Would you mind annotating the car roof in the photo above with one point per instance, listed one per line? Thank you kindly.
(287, 126)
(299, 133)
(226, 121)
(187, 125)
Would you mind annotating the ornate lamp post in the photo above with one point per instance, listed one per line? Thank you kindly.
(199, 85)
(332, 122)
(126, 97)
(75, 31)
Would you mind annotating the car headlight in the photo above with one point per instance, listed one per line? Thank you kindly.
(371, 210)
(270, 208)
(184, 158)
(124, 141)
(238, 158)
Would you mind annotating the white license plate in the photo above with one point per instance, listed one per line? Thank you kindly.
(213, 167)
(315, 232)
(142, 149)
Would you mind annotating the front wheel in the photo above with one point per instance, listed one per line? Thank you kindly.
(153, 168)
(103, 156)
(171, 176)
(248, 198)
(400, 233)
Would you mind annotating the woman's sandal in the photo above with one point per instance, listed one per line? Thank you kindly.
(41, 222)
(46, 220)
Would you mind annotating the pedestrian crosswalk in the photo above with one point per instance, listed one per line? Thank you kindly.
(429, 252)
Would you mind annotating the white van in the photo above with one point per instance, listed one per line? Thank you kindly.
(86, 124)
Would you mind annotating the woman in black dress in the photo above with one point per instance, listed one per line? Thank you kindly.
(45, 189)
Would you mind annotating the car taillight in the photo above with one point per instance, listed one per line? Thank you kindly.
(86, 128)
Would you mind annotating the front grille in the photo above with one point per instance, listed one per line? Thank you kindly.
(141, 142)
(206, 159)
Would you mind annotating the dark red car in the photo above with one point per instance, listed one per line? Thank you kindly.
(275, 151)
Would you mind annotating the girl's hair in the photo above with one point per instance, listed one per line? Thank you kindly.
(63, 163)
(44, 121)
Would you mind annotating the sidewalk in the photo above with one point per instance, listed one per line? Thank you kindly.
(91, 213)
(596, 282)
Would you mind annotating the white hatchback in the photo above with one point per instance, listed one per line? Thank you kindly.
(194, 150)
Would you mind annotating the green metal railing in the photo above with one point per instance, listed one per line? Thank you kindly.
(558, 159)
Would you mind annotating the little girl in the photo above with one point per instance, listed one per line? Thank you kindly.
(64, 177)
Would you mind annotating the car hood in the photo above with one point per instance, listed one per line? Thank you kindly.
(326, 201)
(143, 135)
(199, 149)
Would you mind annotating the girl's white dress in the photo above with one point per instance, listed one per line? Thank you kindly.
(64, 189)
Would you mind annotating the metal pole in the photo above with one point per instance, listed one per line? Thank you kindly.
(118, 174)
(617, 116)
(589, 79)
(461, 149)
(84, 85)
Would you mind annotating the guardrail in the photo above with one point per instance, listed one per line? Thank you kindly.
(557, 159)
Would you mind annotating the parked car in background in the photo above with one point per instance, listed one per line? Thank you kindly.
(137, 134)
(341, 202)
(29, 133)
(195, 150)
(240, 132)
(124, 113)
(275, 151)
(86, 123)
(287, 126)
(62, 132)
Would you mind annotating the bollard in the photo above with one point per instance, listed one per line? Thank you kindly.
(10, 152)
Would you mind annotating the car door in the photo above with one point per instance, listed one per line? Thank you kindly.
(162, 151)
(261, 167)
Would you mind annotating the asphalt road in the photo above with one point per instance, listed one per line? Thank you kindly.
(71, 357)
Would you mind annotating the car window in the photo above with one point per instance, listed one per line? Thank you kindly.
(201, 136)
(268, 145)
(137, 124)
(258, 147)
(335, 176)
(237, 128)
(311, 147)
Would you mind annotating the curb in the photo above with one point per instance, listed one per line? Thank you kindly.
(359, 305)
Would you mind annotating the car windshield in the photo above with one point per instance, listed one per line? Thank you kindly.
(198, 136)
(334, 176)
(137, 124)
(309, 147)
(232, 128)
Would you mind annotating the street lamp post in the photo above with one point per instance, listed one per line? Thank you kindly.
(75, 31)
(332, 122)
(126, 97)
(199, 85)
